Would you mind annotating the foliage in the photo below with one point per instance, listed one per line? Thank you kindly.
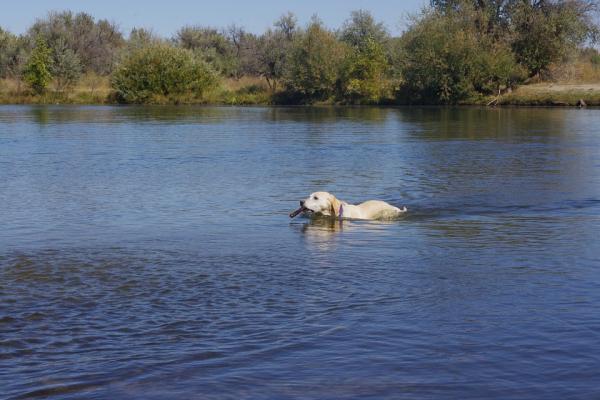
(37, 70)
(364, 75)
(540, 32)
(316, 60)
(95, 43)
(210, 44)
(367, 64)
(273, 50)
(9, 53)
(66, 67)
(454, 51)
(491, 16)
(439, 54)
(495, 68)
(140, 38)
(548, 32)
(244, 47)
(361, 29)
(287, 24)
(449, 60)
(595, 60)
(162, 70)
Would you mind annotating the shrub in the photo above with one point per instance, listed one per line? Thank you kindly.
(548, 32)
(364, 73)
(11, 52)
(315, 64)
(37, 69)
(212, 45)
(595, 60)
(66, 67)
(495, 68)
(364, 76)
(162, 71)
(447, 59)
(95, 43)
(439, 53)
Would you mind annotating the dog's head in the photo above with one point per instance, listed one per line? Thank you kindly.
(322, 203)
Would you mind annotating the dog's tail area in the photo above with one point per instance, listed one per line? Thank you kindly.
(391, 214)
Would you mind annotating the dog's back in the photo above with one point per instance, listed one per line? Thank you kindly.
(377, 209)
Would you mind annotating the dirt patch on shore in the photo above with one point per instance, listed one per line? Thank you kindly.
(560, 87)
(554, 94)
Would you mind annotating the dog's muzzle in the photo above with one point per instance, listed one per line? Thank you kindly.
(300, 210)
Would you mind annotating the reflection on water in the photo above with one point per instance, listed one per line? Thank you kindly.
(146, 252)
(320, 233)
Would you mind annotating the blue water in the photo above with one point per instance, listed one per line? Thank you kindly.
(146, 253)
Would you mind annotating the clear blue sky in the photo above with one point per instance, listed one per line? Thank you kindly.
(167, 16)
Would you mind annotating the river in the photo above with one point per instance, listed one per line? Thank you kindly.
(147, 253)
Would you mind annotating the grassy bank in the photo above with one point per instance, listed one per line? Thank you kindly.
(92, 89)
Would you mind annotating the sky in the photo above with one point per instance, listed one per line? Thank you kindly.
(165, 17)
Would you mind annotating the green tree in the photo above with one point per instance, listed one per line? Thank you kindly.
(361, 29)
(13, 52)
(315, 65)
(66, 67)
(287, 24)
(492, 16)
(448, 59)
(274, 48)
(495, 68)
(7, 48)
(364, 76)
(211, 44)
(37, 69)
(95, 43)
(162, 71)
(540, 32)
(548, 32)
(140, 38)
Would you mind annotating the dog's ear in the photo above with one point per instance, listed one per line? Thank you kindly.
(334, 205)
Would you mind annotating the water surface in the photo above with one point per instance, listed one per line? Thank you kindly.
(146, 252)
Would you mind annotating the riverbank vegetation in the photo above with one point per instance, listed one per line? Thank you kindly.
(451, 52)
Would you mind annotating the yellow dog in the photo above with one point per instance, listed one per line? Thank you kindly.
(326, 204)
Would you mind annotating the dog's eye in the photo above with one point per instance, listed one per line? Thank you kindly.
(316, 198)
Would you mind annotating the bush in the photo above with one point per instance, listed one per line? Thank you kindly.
(11, 54)
(495, 68)
(364, 74)
(95, 43)
(162, 71)
(37, 70)
(212, 45)
(315, 64)
(595, 60)
(447, 59)
(549, 32)
(367, 65)
(66, 67)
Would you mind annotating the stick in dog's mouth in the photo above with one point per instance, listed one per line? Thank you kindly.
(298, 211)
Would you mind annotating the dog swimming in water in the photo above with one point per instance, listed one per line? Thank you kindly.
(326, 204)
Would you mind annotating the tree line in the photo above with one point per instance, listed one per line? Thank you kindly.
(450, 52)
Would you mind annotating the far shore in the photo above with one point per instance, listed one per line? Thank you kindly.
(253, 91)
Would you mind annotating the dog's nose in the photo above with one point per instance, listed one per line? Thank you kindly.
(301, 203)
